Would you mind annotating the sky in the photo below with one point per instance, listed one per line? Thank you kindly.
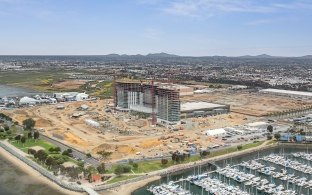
(182, 27)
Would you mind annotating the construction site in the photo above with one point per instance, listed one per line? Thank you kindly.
(151, 119)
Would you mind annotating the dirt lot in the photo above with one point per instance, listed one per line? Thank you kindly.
(69, 84)
(127, 136)
(253, 104)
(120, 133)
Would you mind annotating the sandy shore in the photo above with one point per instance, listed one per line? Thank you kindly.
(129, 188)
(35, 174)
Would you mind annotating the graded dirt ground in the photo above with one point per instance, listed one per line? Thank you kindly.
(250, 103)
(127, 136)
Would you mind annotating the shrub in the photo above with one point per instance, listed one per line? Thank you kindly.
(101, 168)
(31, 151)
(135, 165)
(164, 161)
(6, 128)
(66, 153)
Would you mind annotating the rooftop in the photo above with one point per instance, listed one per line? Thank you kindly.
(198, 105)
(300, 93)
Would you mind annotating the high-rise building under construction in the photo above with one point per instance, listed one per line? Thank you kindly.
(160, 100)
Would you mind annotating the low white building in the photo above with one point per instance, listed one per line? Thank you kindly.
(288, 93)
(24, 101)
(238, 87)
(92, 123)
(52, 101)
(82, 96)
(215, 132)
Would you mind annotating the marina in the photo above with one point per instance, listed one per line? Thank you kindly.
(276, 173)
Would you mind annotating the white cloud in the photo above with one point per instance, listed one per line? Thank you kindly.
(204, 8)
(151, 2)
(265, 21)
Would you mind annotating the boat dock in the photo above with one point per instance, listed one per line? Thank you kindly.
(275, 174)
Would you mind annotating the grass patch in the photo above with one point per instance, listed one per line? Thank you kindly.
(149, 166)
(271, 142)
(102, 89)
(122, 178)
(37, 80)
(30, 143)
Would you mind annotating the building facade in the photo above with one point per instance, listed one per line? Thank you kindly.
(160, 100)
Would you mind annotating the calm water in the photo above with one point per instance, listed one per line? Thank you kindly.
(231, 161)
(13, 181)
(10, 91)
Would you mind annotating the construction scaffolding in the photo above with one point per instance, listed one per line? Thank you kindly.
(160, 100)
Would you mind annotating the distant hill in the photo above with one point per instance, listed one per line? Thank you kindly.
(258, 56)
(113, 55)
(307, 57)
(161, 55)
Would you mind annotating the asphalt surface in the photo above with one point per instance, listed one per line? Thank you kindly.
(76, 153)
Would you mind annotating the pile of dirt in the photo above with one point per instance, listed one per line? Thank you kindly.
(74, 139)
(126, 149)
(150, 144)
(106, 147)
(42, 123)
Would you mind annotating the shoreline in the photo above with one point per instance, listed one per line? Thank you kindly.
(174, 169)
(129, 188)
(33, 173)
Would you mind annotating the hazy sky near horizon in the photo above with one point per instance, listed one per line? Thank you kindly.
(184, 27)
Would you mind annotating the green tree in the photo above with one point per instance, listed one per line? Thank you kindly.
(101, 168)
(119, 170)
(18, 137)
(88, 155)
(270, 128)
(204, 153)
(269, 137)
(29, 123)
(6, 128)
(239, 147)
(135, 165)
(42, 155)
(23, 140)
(164, 161)
(36, 135)
(31, 151)
(66, 153)
(29, 135)
(50, 161)
(277, 136)
(57, 149)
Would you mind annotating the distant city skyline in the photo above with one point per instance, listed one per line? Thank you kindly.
(181, 27)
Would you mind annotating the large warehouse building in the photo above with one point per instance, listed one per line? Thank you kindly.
(288, 93)
(202, 109)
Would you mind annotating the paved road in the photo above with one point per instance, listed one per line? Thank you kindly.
(76, 153)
